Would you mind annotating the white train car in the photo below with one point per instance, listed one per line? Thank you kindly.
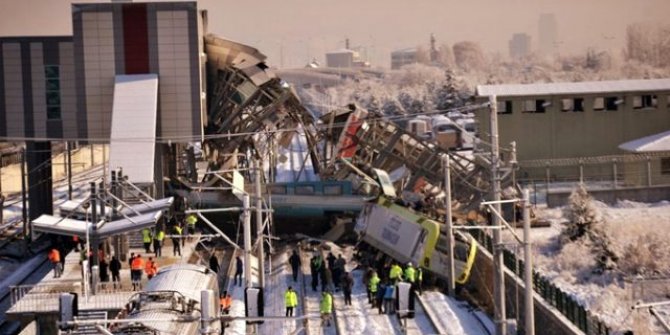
(173, 294)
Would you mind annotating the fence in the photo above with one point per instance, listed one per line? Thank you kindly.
(602, 172)
(562, 301)
(44, 298)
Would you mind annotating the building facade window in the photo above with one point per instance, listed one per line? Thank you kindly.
(612, 103)
(529, 106)
(572, 105)
(665, 166)
(505, 107)
(52, 78)
(598, 104)
(645, 101)
(535, 106)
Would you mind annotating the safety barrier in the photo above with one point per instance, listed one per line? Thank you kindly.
(577, 314)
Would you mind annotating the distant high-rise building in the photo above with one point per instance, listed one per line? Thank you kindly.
(519, 45)
(548, 34)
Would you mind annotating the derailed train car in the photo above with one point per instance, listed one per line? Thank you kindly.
(409, 237)
(173, 294)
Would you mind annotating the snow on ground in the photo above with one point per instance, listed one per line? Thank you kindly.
(570, 267)
(456, 317)
(276, 284)
(360, 317)
(311, 300)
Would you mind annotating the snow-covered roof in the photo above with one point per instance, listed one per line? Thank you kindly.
(404, 51)
(657, 142)
(586, 87)
(341, 51)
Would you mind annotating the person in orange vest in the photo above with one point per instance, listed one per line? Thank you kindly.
(136, 267)
(226, 301)
(150, 268)
(54, 257)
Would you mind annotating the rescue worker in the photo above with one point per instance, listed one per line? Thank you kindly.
(315, 265)
(150, 268)
(338, 269)
(176, 233)
(214, 263)
(373, 284)
(137, 265)
(191, 220)
(395, 273)
(291, 301)
(366, 282)
(103, 268)
(379, 296)
(146, 239)
(410, 273)
(294, 260)
(226, 302)
(54, 257)
(239, 270)
(347, 286)
(158, 242)
(326, 308)
(115, 269)
(419, 279)
(389, 299)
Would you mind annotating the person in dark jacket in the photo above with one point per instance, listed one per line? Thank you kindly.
(315, 265)
(338, 270)
(239, 270)
(294, 260)
(331, 261)
(347, 287)
(103, 266)
(115, 269)
(214, 263)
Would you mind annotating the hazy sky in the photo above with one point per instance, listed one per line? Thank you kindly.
(306, 29)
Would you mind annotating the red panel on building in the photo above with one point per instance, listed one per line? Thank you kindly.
(135, 38)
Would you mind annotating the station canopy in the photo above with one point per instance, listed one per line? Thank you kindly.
(656, 142)
(70, 227)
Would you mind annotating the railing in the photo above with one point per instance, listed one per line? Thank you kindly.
(44, 298)
(562, 301)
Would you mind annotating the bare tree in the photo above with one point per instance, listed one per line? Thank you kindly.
(468, 55)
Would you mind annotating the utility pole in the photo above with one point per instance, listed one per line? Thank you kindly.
(528, 267)
(498, 264)
(24, 202)
(446, 161)
(68, 148)
(247, 241)
(259, 225)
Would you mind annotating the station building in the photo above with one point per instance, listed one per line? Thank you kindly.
(131, 73)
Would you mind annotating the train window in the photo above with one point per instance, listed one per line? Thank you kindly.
(332, 190)
(304, 190)
(277, 189)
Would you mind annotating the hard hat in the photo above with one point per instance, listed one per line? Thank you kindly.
(409, 264)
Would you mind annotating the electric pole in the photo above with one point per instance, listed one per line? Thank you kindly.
(259, 224)
(498, 264)
(528, 267)
(247, 241)
(446, 161)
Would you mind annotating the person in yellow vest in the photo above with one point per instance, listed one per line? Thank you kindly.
(290, 300)
(158, 242)
(373, 285)
(146, 239)
(410, 273)
(150, 268)
(326, 308)
(191, 220)
(395, 273)
(176, 234)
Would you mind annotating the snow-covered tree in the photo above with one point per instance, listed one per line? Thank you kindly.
(585, 224)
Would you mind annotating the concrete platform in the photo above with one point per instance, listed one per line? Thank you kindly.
(42, 298)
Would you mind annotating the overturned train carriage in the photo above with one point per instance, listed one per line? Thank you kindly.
(174, 294)
(409, 237)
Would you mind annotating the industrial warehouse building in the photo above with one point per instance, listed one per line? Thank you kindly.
(568, 131)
